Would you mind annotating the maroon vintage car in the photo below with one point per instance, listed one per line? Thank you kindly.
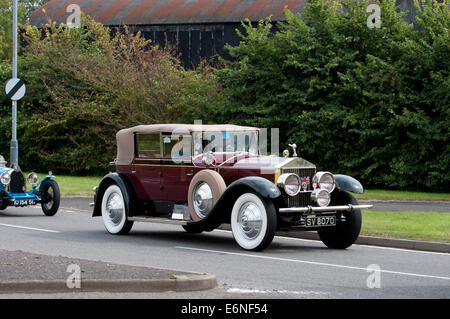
(202, 176)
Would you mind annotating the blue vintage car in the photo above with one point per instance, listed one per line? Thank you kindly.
(13, 190)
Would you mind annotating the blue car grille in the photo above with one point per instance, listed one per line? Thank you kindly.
(17, 184)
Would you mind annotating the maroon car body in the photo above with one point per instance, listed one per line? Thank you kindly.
(201, 176)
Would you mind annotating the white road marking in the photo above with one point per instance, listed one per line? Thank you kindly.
(257, 291)
(309, 262)
(73, 210)
(30, 228)
(359, 245)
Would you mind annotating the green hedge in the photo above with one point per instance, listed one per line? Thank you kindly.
(372, 103)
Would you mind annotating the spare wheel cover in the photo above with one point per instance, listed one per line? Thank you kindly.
(215, 183)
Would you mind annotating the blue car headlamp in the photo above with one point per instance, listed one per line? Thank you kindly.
(33, 178)
(5, 178)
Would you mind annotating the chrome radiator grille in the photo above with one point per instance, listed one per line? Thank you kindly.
(304, 197)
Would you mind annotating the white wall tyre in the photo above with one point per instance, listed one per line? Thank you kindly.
(253, 222)
(115, 216)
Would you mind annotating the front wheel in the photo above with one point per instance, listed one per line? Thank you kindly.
(253, 222)
(50, 197)
(114, 213)
(344, 234)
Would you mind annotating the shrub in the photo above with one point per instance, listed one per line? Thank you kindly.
(83, 85)
(372, 103)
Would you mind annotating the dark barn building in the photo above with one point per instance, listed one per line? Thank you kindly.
(199, 28)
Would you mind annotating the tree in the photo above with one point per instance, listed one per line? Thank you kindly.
(25, 9)
(373, 103)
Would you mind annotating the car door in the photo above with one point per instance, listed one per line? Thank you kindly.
(147, 170)
(177, 167)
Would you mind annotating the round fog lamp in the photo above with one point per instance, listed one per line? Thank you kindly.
(321, 196)
(32, 178)
(5, 178)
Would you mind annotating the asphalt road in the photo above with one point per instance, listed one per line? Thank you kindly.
(289, 268)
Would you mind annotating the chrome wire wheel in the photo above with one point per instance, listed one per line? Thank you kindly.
(50, 197)
(113, 210)
(203, 199)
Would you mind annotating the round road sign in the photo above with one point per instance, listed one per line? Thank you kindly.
(15, 89)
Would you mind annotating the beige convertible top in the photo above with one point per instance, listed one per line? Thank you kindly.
(125, 137)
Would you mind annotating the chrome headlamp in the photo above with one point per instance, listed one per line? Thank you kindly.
(321, 196)
(290, 183)
(5, 178)
(325, 180)
(33, 178)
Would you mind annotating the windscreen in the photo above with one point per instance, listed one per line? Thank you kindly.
(230, 142)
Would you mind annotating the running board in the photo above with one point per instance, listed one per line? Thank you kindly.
(157, 220)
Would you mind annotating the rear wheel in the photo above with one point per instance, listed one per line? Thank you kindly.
(253, 222)
(114, 212)
(344, 234)
(50, 197)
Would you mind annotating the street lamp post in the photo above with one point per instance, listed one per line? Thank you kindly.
(14, 143)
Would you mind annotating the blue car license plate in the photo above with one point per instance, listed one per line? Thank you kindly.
(24, 202)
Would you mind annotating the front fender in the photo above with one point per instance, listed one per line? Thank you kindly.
(125, 187)
(42, 182)
(348, 183)
(222, 209)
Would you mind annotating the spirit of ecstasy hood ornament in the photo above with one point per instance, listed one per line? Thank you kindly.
(294, 148)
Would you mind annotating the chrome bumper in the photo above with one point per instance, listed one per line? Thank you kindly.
(311, 209)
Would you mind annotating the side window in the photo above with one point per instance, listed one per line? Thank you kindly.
(176, 146)
(148, 145)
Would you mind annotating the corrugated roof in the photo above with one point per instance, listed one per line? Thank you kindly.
(151, 12)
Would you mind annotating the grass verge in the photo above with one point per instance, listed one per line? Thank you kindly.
(82, 186)
(402, 195)
(429, 226)
(74, 185)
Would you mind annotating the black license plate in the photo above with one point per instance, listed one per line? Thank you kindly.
(24, 202)
(319, 221)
